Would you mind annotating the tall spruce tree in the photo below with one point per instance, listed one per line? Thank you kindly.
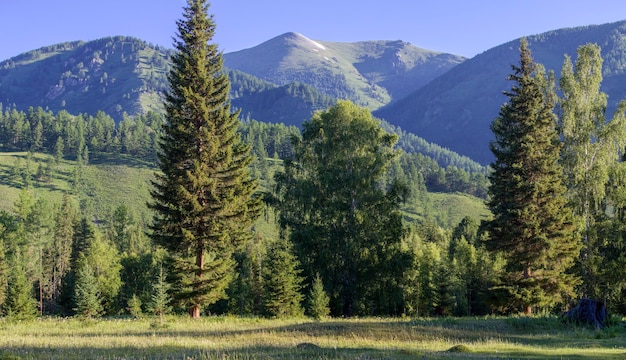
(204, 196)
(532, 225)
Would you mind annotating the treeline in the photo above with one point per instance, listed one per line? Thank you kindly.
(53, 261)
(65, 135)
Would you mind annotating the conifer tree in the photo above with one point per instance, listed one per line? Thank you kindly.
(282, 281)
(20, 303)
(318, 299)
(532, 225)
(87, 295)
(204, 196)
(160, 298)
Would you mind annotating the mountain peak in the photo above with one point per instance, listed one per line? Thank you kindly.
(309, 41)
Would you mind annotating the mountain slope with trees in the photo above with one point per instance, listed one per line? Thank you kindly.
(114, 75)
(455, 109)
(370, 73)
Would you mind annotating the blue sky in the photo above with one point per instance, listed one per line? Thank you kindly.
(460, 27)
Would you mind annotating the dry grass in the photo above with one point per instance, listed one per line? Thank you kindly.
(252, 338)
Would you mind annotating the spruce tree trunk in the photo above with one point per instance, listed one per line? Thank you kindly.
(194, 311)
(527, 308)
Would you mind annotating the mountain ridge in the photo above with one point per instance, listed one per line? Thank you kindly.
(456, 109)
(369, 73)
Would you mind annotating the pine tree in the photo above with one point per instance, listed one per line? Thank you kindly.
(59, 254)
(532, 225)
(318, 300)
(134, 306)
(87, 295)
(282, 281)
(20, 303)
(159, 305)
(203, 197)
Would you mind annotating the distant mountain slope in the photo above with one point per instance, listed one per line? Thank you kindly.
(113, 74)
(456, 109)
(370, 73)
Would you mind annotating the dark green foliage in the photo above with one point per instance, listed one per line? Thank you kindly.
(137, 276)
(342, 224)
(282, 283)
(532, 226)
(59, 256)
(246, 291)
(101, 75)
(203, 197)
(455, 109)
(291, 104)
(79, 136)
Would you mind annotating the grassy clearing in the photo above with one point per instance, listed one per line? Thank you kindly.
(253, 338)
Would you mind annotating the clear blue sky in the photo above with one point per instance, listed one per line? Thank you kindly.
(460, 27)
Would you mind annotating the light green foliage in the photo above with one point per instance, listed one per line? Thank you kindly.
(282, 283)
(318, 300)
(87, 293)
(102, 259)
(159, 304)
(134, 307)
(592, 147)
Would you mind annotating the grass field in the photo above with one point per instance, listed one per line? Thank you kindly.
(254, 338)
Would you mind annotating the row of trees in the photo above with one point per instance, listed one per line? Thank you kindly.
(557, 186)
(555, 194)
(56, 262)
(71, 136)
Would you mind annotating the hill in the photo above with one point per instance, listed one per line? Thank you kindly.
(289, 104)
(114, 75)
(109, 181)
(120, 75)
(370, 73)
(456, 109)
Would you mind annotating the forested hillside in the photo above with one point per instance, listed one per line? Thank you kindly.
(286, 196)
(122, 75)
(87, 176)
(455, 110)
(370, 73)
(114, 75)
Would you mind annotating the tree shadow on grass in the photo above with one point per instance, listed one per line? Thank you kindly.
(539, 344)
(149, 351)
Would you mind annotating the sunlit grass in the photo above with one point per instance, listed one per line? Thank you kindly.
(254, 338)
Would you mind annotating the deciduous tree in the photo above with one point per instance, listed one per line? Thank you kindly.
(591, 151)
(343, 224)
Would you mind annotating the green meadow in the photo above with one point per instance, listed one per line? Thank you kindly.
(301, 338)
